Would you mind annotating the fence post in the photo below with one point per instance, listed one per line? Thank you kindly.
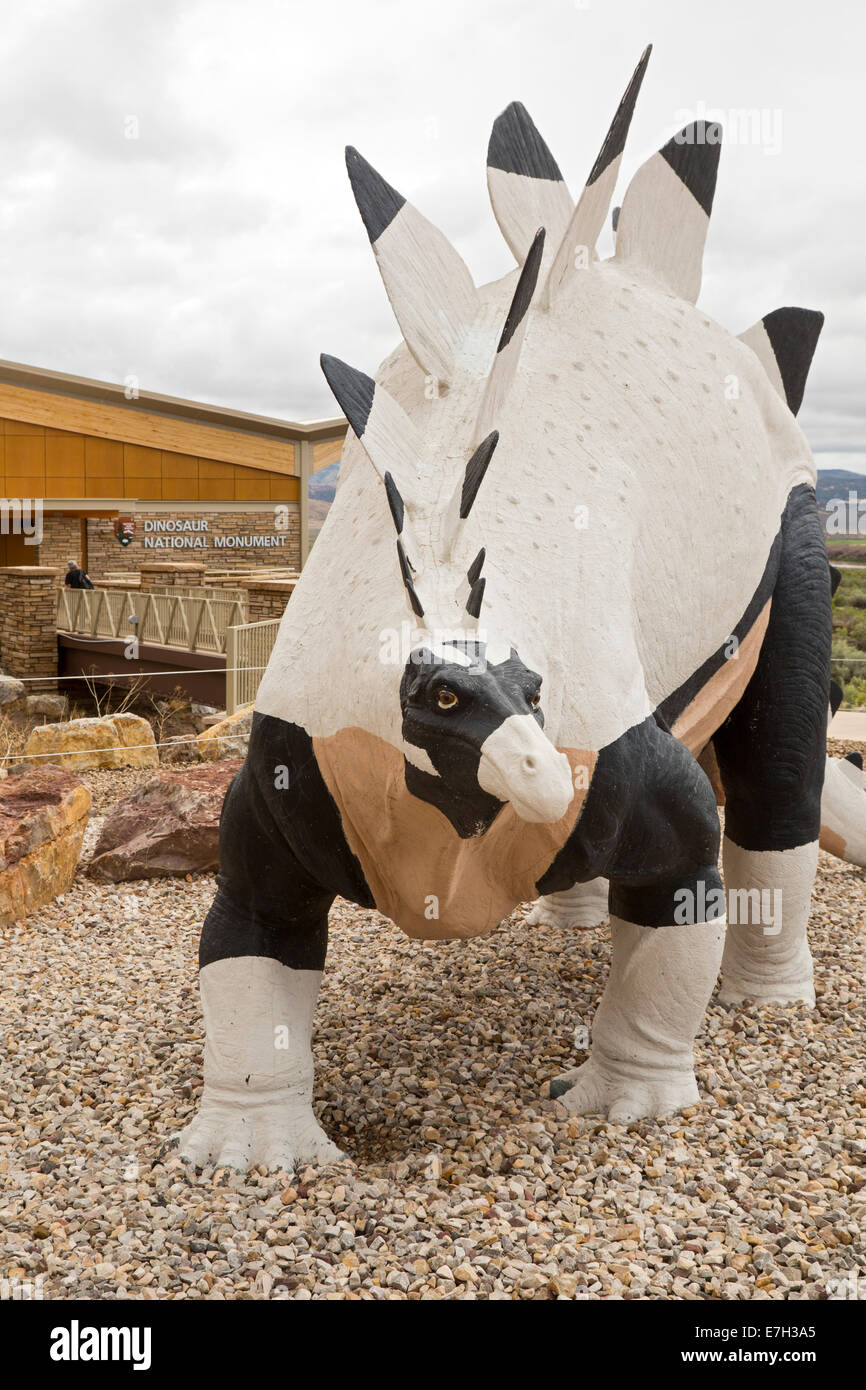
(232, 673)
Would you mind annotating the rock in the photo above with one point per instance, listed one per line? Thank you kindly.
(176, 718)
(217, 717)
(229, 738)
(170, 826)
(205, 715)
(13, 696)
(43, 815)
(117, 740)
(180, 749)
(47, 705)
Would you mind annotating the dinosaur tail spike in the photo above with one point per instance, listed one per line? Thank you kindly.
(526, 187)
(476, 596)
(395, 502)
(785, 342)
(475, 470)
(408, 580)
(665, 213)
(589, 215)
(511, 341)
(474, 570)
(430, 288)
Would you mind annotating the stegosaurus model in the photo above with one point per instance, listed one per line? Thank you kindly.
(575, 538)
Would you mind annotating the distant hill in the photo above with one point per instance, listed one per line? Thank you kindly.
(323, 485)
(834, 483)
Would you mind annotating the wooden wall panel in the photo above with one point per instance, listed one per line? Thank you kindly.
(29, 410)
(141, 462)
(328, 451)
(53, 462)
(25, 465)
(22, 428)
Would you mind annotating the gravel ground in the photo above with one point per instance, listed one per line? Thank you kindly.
(465, 1183)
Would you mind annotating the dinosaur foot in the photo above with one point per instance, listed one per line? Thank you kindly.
(279, 1136)
(601, 1088)
(582, 907)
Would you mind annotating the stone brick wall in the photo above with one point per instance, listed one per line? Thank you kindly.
(155, 574)
(28, 621)
(267, 598)
(61, 540)
(105, 553)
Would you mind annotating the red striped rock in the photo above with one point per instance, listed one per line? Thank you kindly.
(168, 827)
(43, 815)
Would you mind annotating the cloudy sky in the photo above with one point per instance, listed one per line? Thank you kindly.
(175, 206)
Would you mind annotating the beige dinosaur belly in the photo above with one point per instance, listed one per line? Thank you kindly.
(434, 884)
(421, 874)
(714, 701)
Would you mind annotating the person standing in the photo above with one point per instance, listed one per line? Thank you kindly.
(75, 577)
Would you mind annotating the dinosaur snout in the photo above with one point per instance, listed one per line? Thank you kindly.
(519, 764)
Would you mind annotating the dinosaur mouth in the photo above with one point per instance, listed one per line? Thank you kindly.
(519, 764)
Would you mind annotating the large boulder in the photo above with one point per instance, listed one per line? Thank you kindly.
(179, 750)
(117, 740)
(170, 826)
(13, 697)
(43, 815)
(229, 738)
(47, 705)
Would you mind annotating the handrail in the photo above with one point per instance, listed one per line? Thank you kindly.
(248, 650)
(171, 620)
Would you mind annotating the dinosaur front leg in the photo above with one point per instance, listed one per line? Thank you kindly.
(642, 1059)
(258, 1063)
(667, 912)
(261, 958)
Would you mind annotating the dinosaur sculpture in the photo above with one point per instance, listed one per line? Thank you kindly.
(575, 538)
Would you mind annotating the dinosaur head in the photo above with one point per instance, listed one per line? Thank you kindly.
(480, 723)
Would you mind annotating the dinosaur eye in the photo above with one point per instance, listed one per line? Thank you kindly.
(446, 699)
(535, 700)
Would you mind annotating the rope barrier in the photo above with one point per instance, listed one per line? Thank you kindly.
(116, 748)
(131, 675)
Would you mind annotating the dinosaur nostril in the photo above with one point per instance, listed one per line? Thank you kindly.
(528, 764)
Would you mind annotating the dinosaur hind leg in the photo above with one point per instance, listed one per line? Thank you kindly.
(582, 907)
(771, 752)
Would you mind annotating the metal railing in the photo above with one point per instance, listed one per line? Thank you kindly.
(248, 650)
(171, 620)
(200, 591)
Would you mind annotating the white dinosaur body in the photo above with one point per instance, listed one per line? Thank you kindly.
(575, 541)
